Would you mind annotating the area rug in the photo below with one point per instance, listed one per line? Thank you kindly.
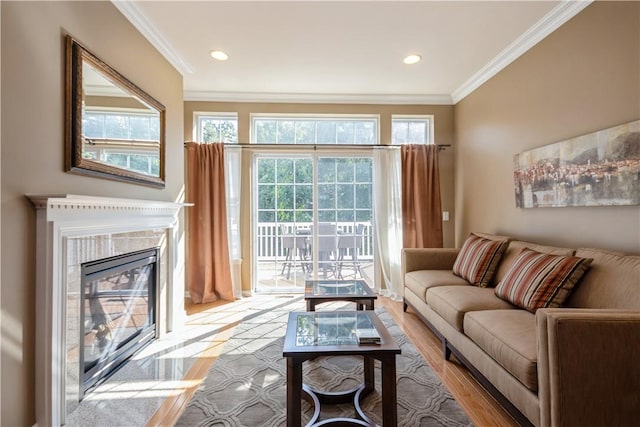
(246, 386)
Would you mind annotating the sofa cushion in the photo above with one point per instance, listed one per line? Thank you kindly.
(513, 250)
(613, 281)
(509, 337)
(536, 280)
(421, 280)
(478, 259)
(452, 302)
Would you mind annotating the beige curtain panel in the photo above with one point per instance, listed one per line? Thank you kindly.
(208, 267)
(421, 206)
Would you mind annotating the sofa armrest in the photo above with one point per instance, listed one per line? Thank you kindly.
(588, 370)
(414, 259)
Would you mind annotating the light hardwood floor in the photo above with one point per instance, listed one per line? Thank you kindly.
(480, 407)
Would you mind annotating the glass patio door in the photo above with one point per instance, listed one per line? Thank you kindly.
(313, 219)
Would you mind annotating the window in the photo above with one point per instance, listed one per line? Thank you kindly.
(300, 129)
(99, 124)
(123, 139)
(412, 130)
(313, 218)
(221, 127)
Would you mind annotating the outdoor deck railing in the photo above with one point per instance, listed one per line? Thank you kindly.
(270, 242)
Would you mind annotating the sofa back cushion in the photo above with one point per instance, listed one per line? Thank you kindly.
(514, 249)
(613, 281)
(478, 258)
(536, 280)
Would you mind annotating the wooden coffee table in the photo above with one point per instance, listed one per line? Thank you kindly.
(321, 291)
(332, 333)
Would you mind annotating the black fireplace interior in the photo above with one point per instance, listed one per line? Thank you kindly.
(118, 312)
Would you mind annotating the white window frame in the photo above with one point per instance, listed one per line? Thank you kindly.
(375, 118)
(428, 119)
(127, 113)
(199, 117)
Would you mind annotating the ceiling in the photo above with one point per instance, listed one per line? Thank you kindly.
(343, 51)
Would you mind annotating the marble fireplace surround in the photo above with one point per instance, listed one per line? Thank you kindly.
(73, 229)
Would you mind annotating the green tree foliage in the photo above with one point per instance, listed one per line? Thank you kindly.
(285, 189)
(217, 130)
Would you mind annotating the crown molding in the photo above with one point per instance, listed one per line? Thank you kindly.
(553, 20)
(317, 98)
(132, 12)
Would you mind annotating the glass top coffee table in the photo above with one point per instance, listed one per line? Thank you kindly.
(321, 291)
(335, 333)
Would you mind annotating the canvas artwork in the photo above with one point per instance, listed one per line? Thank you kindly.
(599, 169)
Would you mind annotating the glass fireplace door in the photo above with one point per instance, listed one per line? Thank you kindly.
(118, 312)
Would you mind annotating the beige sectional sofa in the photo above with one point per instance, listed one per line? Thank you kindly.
(577, 365)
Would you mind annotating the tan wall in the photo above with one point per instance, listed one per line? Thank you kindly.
(443, 134)
(582, 78)
(33, 146)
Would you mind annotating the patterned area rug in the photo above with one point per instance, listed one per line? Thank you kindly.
(246, 386)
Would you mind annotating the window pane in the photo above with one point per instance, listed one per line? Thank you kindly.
(265, 131)
(286, 132)
(305, 133)
(363, 170)
(364, 133)
(285, 216)
(345, 216)
(285, 170)
(154, 133)
(266, 196)
(345, 170)
(218, 129)
(411, 130)
(117, 127)
(326, 196)
(363, 196)
(363, 216)
(326, 215)
(346, 132)
(139, 128)
(344, 195)
(304, 216)
(266, 216)
(266, 170)
(285, 197)
(326, 132)
(417, 132)
(304, 197)
(93, 125)
(297, 130)
(400, 131)
(326, 170)
(304, 171)
(116, 159)
(139, 163)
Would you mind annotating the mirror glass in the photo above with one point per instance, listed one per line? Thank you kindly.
(115, 129)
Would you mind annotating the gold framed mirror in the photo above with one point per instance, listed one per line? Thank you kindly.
(114, 129)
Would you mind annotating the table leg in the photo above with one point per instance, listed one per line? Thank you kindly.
(369, 375)
(311, 306)
(359, 306)
(389, 398)
(294, 392)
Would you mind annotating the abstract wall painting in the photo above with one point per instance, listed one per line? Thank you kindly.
(598, 169)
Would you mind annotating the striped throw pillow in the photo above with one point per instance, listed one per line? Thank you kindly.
(536, 280)
(478, 258)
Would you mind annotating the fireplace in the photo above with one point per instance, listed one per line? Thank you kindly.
(118, 312)
(109, 279)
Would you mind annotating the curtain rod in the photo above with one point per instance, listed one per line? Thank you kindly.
(316, 146)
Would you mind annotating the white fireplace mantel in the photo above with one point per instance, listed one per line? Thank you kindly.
(60, 218)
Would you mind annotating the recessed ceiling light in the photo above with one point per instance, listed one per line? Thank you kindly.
(219, 55)
(412, 59)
